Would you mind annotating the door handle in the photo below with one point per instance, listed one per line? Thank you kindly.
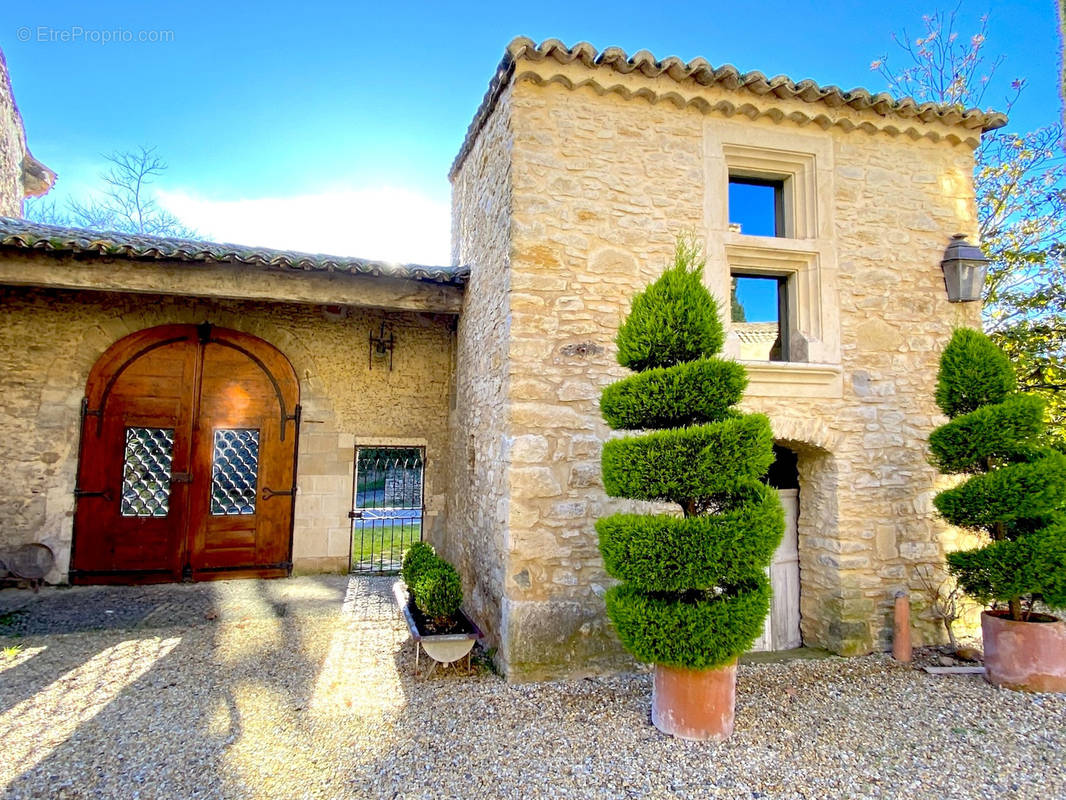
(268, 493)
(181, 477)
(105, 494)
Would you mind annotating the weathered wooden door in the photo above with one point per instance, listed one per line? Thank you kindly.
(781, 631)
(187, 461)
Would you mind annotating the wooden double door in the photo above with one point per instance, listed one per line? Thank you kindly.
(187, 464)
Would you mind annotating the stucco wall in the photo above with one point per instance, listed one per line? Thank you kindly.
(49, 340)
(602, 185)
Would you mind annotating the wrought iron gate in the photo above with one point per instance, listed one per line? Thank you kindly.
(387, 506)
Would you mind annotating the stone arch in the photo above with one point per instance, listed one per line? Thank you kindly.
(106, 318)
(816, 447)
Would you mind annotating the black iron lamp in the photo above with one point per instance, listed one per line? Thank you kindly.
(964, 268)
(381, 346)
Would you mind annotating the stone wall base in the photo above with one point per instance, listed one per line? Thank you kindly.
(545, 640)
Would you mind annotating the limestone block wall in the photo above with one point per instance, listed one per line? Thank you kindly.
(20, 173)
(602, 183)
(478, 513)
(49, 340)
(12, 148)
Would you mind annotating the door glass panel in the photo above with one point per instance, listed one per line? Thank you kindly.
(234, 471)
(146, 472)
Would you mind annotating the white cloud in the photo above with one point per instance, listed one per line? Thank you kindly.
(386, 224)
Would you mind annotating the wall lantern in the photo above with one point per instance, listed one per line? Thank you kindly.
(381, 345)
(964, 268)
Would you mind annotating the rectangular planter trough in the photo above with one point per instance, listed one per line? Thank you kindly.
(443, 648)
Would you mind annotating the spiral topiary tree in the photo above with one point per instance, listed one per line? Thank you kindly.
(694, 591)
(1015, 489)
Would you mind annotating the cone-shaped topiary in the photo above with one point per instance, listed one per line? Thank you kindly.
(694, 591)
(1015, 490)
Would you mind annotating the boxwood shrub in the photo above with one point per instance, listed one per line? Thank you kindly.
(1015, 487)
(438, 591)
(688, 394)
(418, 557)
(662, 553)
(695, 629)
(688, 463)
(693, 589)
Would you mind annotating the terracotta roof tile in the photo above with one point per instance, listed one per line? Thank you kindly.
(700, 72)
(25, 235)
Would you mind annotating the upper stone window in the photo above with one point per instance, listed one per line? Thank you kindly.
(769, 215)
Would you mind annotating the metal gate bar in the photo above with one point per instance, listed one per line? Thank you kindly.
(387, 507)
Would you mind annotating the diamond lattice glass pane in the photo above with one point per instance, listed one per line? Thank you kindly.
(146, 472)
(234, 472)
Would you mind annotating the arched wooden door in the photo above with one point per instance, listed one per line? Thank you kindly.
(187, 466)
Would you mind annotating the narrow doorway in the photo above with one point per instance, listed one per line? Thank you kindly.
(782, 627)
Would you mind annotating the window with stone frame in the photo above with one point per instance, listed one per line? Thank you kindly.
(780, 259)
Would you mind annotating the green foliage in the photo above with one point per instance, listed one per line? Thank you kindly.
(694, 593)
(438, 591)
(736, 310)
(991, 433)
(434, 584)
(1007, 495)
(683, 464)
(688, 394)
(1034, 564)
(1037, 349)
(973, 373)
(674, 320)
(1016, 489)
(416, 560)
(697, 630)
(662, 553)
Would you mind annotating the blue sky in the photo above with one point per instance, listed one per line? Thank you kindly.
(331, 126)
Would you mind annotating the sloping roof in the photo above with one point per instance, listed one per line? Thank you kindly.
(25, 235)
(699, 72)
(756, 332)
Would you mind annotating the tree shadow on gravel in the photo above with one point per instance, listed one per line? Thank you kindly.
(243, 707)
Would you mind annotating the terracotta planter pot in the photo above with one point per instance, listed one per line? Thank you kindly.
(1030, 656)
(694, 704)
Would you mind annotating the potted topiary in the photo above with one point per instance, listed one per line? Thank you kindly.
(1014, 495)
(431, 606)
(694, 591)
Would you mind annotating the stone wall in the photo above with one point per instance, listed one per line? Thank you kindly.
(603, 183)
(478, 515)
(20, 173)
(49, 340)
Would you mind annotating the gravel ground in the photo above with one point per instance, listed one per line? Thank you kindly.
(305, 688)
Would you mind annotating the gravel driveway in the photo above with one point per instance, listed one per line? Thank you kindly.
(304, 688)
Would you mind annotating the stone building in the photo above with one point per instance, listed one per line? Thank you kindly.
(578, 173)
(21, 175)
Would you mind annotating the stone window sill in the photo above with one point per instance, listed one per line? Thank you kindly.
(793, 379)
